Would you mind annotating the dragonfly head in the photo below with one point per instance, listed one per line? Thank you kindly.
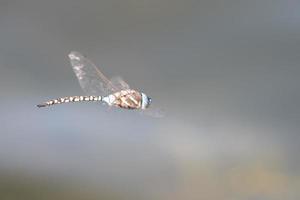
(146, 101)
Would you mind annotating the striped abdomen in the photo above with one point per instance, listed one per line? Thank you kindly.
(70, 99)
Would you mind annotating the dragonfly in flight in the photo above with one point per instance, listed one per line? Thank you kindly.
(115, 92)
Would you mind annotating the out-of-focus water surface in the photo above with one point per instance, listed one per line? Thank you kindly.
(225, 72)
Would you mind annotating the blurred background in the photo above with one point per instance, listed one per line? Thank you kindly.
(226, 73)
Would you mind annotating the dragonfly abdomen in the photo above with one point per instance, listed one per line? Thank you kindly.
(70, 99)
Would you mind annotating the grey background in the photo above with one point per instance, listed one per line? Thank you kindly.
(226, 73)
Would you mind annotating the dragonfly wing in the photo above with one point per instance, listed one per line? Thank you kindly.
(119, 83)
(153, 112)
(91, 79)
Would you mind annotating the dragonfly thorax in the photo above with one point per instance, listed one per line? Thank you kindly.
(128, 99)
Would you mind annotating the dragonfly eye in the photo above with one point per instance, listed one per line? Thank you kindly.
(149, 102)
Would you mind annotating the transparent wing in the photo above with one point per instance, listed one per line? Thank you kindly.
(153, 112)
(91, 79)
(119, 83)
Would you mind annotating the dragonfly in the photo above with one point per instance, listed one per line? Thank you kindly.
(98, 88)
